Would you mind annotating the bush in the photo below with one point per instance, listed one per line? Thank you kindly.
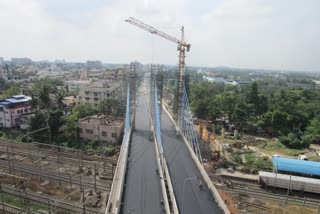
(237, 158)
(26, 139)
(2, 134)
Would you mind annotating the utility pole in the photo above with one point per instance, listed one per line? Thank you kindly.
(3, 208)
(95, 178)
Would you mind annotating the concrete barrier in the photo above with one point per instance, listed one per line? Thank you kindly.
(164, 174)
(203, 172)
(115, 195)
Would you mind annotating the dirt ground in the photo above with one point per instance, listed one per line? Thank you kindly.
(230, 202)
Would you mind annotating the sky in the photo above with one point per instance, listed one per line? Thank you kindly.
(266, 34)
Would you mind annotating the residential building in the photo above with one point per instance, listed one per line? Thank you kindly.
(94, 94)
(101, 127)
(24, 120)
(12, 108)
(1, 60)
(21, 61)
(69, 101)
(76, 84)
(93, 64)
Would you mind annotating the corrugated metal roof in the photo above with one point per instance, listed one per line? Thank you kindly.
(297, 166)
(287, 177)
(18, 101)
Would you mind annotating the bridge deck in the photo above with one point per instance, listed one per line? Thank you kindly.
(142, 193)
(181, 166)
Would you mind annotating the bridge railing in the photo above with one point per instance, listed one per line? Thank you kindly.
(115, 195)
(166, 185)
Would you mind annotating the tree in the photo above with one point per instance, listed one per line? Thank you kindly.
(13, 90)
(228, 101)
(59, 99)
(111, 106)
(55, 121)
(312, 132)
(44, 97)
(85, 110)
(38, 121)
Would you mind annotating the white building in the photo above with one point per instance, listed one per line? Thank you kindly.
(76, 84)
(94, 94)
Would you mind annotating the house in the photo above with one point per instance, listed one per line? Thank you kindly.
(12, 108)
(69, 101)
(94, 94)
(101, 127)
(24, 120)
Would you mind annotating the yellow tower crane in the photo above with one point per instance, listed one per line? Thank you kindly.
(183, 46)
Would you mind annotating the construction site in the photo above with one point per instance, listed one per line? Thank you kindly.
(42, 178)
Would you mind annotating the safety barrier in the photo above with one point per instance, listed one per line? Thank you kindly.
(200, 167)
(163, 169)
(115, 195)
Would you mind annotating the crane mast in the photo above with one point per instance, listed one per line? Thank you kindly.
(183, 46)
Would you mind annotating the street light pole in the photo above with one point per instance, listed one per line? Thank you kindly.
(184, 182)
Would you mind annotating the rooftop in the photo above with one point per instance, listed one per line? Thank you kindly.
(15, 99)
(296, 166)
(107, 120)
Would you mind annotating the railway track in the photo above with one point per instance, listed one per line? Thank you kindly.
(59, 177)
(7, 208)
(69, 154)
(54, 203)
(75, 163)
(242, 188)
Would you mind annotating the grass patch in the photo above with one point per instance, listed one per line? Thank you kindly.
(274, 147)
(250, 158)
(315, 158)
(18, 202)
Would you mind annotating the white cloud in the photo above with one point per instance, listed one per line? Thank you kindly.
(240, 33)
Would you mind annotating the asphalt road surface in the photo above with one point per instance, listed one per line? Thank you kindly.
(189, 197)
(142, 192)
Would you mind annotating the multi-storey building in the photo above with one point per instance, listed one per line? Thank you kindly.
(94, 94)
(101, 127)
(21, 61)
(94, 64)
(12, 108)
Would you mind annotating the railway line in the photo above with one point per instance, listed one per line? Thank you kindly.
(27, 160)
(59, 177)
(250, 188)
(9, 209)
(53, 203)
(54, 152)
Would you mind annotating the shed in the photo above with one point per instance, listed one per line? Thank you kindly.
(296, 166)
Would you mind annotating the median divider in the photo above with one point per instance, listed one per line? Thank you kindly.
(203, 172)
(164, 177)
(115, 195)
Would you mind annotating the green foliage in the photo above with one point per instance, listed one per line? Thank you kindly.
(111, 106)
(41, 90)
(25, 139)
(263, 164)
(237, 158)
(38, 121)
(55, 121)
(293, 115)
(84, 110)
(13, 90)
